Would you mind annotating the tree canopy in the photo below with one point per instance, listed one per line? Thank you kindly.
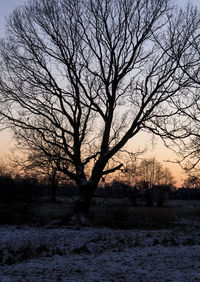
(84, 77)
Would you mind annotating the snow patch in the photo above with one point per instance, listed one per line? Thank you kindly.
(98, 254)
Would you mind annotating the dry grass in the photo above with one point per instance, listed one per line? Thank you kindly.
(133, 217)
(112, 213)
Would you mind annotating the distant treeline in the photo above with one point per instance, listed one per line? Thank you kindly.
(27, 189)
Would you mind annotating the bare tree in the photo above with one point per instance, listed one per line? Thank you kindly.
(86, 76)
(43, 168)
(5, 170)
(192, 181)
(40, 165)
(188, 149)
(149, 172)
(39, 159)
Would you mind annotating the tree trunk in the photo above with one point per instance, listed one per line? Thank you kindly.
(53, 187)
(53, 192)
(82, 206)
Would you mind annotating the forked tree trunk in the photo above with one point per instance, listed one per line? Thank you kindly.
(82, 206)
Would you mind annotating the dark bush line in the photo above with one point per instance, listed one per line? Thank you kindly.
(19, 189)
(27, 189)
(186, 194)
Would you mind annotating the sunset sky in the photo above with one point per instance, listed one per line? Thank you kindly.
(159, 151)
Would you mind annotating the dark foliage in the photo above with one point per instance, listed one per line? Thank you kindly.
(115, 190)
(20, 197)
(20, 189)
(186, 194)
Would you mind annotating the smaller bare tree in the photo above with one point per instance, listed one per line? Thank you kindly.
(42, 167)
(39, 159)
(149, 172)
(192, 181)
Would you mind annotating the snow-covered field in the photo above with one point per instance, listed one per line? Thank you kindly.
(99, 254)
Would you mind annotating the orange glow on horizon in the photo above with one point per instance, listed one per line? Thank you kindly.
(142, 140)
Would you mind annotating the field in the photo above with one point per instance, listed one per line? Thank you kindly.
(110, 212)
(138, 244)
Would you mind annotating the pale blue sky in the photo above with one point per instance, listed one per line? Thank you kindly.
(6, 7)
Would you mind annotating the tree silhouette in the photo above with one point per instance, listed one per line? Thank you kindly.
(84, 77)
(192, 181)
(38, 159)
(148, 173)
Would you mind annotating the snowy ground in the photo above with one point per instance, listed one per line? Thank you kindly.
(99, 254)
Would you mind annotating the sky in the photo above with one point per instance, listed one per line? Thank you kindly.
(6, 7)
(159, 151)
